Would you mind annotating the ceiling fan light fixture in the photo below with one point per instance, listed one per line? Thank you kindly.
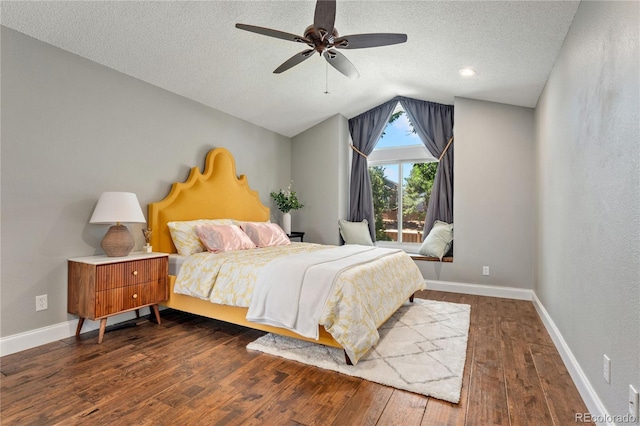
(466, 72)
(321, 36)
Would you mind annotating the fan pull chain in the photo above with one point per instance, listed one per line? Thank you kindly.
(326, 78)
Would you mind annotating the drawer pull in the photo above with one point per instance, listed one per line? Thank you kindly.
(135, 272)
(135, 295)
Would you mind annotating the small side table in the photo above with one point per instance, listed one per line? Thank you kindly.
(101, 286)
(297, 235)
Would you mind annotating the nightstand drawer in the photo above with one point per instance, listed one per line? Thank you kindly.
(122, 299)
(115, 275)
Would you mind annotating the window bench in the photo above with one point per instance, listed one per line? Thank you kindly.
(418, 256)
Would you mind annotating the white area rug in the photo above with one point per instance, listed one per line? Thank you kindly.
(422, 349)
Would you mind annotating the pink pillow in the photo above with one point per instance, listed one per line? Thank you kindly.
(219, 238)
(265, 234)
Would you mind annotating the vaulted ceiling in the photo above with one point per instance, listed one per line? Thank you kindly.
(193, 49)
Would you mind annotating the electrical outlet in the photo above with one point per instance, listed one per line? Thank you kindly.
(485, 270)
(633, 402)
(606, 369)
(41, 303)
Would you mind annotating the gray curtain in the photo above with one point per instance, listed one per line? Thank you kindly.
(365, 131)
(434, 124)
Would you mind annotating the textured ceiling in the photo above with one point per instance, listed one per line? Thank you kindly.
(194, 50)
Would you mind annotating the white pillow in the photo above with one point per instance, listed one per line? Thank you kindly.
(439, 240)
(184, 237)
(355, 232)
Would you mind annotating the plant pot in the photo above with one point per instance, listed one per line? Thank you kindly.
(286, 223)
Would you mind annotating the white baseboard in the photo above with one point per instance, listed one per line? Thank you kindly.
(41, 336)
(480, 290)
(588, 394)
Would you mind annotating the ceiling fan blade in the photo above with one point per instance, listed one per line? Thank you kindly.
(341, 63)
(325, 17)
(273, 33)
(361, 41)
(294, 60)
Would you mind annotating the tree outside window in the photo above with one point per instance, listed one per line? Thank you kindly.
(402, 174)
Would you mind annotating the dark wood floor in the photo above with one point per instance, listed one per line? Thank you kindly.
(192, 371)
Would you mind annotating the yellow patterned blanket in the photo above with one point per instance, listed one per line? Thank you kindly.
(361, 299)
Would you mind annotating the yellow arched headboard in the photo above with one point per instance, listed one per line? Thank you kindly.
(215, 194)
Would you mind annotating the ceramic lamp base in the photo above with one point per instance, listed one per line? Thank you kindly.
(117, 242)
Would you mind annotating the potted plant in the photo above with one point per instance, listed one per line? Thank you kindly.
(286, 200)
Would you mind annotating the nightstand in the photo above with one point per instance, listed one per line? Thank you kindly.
(101, 286)
(297, 235)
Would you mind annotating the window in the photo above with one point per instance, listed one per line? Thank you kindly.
(402, 172)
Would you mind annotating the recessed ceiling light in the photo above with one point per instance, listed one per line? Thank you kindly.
(467, 72)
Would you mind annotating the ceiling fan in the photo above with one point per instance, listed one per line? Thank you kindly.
(323, 38)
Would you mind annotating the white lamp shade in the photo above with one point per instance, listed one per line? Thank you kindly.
(117, 207)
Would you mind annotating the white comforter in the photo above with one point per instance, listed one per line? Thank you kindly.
(361, 298)
(292, 293)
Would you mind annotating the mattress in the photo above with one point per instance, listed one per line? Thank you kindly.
(175, 263)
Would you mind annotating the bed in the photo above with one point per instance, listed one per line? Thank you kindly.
(218, 193)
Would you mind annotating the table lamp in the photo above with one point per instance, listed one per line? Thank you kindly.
(117, 207)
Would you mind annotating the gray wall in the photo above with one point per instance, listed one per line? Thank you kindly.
(588, 155)
(320, 173)
(71, 129)
(494, 196)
